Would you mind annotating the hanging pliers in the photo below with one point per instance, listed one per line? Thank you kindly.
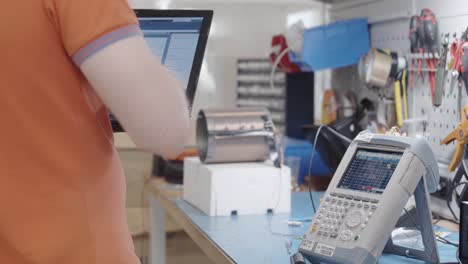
(460, 135)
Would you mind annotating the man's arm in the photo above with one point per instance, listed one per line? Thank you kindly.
(147, 99)
(104, 40)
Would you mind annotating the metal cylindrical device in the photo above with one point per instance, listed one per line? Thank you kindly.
(237, 135)
(378, 68)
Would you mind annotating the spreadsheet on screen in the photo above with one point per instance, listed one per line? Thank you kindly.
(174, 41)
(370, 171)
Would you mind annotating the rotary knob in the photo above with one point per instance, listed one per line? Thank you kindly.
(354, 219)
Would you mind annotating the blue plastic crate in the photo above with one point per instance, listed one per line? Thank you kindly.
(336, 45)
(302, 149)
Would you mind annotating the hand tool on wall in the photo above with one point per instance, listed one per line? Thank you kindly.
(431, 30)
(459, 54)
(464, 37)
(440, 76)
(421, 46)
(460, 135)
(431, 45)
(401, 102)
(414, 41)
(404, 84)
(464, 65)
(454, 65)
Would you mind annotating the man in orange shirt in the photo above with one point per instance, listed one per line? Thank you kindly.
(62, 190)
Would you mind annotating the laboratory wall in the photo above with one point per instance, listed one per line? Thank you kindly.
(241, 29)
(381, 10)
(389, 27)
(389, 19)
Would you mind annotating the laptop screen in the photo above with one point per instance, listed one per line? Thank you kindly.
(174, 41)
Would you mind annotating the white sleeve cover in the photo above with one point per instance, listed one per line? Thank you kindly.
(145, 97)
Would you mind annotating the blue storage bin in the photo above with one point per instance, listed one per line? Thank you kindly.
(336, 45)
(302, 149)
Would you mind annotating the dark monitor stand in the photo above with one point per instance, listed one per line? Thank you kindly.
(463, 247)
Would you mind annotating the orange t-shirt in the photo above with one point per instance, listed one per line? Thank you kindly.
(62, 188)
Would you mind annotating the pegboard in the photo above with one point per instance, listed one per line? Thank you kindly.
(440, 121)
(444, 119)
(391, 33)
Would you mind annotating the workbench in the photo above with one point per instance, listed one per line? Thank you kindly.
(243, 239)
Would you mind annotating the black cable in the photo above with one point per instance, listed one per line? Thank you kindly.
(439, 238)
(447, 242)
(311, 196)
(412, 219)
(437, 220)
(314, 147)
(452, 221)
(449, 198)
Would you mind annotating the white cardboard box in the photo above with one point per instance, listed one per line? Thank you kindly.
(242, 188)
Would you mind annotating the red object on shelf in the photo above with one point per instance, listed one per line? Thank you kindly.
(279, 44)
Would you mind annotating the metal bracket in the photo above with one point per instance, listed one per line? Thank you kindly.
(430, 253)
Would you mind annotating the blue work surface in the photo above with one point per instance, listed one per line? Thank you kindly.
(262, 239)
